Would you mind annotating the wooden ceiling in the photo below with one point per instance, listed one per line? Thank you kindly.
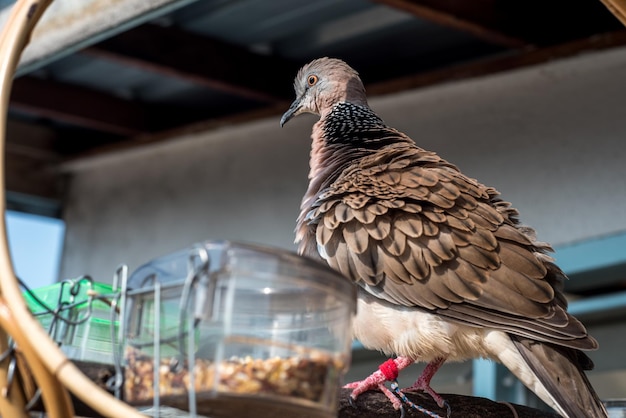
(213, 81)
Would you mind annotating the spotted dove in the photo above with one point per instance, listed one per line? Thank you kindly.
(445, 270)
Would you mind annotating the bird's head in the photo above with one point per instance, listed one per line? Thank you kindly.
(322, 83)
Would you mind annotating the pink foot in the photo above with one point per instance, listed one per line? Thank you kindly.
(387, 371)
(423, 382)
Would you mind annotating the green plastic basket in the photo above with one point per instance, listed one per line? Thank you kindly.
(82, 335)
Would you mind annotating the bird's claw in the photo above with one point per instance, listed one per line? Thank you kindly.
(388, 371)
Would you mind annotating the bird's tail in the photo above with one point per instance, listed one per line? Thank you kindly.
(561, 372)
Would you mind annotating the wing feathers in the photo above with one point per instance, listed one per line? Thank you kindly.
(408, 225)
(478, 257)
(522, 260)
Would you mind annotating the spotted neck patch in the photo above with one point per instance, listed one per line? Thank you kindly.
(347, 122)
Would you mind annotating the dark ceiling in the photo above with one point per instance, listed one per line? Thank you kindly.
(217, 62)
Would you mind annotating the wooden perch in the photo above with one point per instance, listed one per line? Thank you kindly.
(371, 404)
(376, 405)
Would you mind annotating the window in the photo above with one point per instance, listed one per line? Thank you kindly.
(35, 243)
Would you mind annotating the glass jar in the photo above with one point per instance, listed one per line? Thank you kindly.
(268, 332)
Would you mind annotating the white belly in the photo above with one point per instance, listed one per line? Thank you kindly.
(422, 336)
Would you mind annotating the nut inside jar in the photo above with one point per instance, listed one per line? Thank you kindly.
(307, 376)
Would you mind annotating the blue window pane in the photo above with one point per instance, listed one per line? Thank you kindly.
(35, 243)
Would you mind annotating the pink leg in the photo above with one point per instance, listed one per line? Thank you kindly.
(377, 381)
(423, 382)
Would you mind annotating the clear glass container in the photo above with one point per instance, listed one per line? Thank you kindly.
(268, 332)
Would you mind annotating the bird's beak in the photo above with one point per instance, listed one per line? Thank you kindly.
(294, 110)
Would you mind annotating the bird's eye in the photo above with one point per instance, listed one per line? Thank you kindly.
(312, 80)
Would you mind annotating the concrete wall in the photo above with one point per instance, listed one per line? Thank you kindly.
(550, 138)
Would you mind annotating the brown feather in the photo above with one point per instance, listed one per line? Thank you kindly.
(502, 298)
(446, 190)
(395, 243)
(467, 271)
(435, 216)
(430, 229)
(560, 370)
(480, 221)
(324, 235)
(414, 261)
(364, 216)
(421, 177)
(460, 238)
(411, 226)
(391, 178)
(466, 201)
(356, 237)
(458, 221)
(525, 286)
(510, 233)
(442, 246)
(478, 257)
(330, 220)
(464, 289)
(343, 213)
(368, 267)
(394, 269)
(379, 229)
(356, 200)
(441, 286)
(484, 239)
(440, 200)
(377, 208)
(340, 258)
(412, 208)
(392, 203)
(522, 260)
(489, 213)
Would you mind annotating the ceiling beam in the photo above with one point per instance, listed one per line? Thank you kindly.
(504, 62)
(78, 106)
(201, 60)
(455, 19)
(477, 68)
(515, 23)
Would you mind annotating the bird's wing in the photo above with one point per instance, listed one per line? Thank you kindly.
(411, 229)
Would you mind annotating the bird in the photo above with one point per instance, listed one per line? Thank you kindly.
(444, 268)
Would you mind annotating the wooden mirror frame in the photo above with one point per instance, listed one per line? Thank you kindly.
(41, 358)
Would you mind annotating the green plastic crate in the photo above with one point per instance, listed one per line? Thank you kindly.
(88, 341)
